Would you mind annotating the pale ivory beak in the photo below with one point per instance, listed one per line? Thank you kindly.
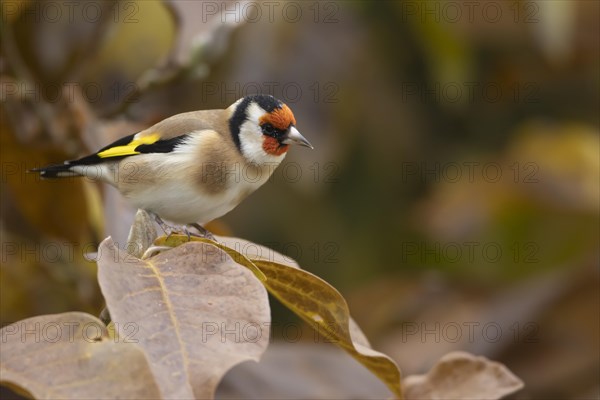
(294, 137)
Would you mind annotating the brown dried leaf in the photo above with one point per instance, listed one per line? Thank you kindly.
(460, 375)
(198, 313)
(312, 299)
(72, 356)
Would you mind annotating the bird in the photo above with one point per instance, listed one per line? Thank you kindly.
(194, 167)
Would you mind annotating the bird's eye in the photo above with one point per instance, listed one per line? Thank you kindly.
(270, 130)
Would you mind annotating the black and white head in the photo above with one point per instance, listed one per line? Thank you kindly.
(263, 127)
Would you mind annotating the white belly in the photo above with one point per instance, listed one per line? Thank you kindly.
(183, 204)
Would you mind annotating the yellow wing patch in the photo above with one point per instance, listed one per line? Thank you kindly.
(129, 149)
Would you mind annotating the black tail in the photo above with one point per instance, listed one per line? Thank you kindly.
(55, 171)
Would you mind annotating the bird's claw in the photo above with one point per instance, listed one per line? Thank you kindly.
(170, 230)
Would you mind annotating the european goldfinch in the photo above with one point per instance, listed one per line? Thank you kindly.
(197, 166)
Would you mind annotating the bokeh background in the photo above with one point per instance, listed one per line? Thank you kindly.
(452, 196)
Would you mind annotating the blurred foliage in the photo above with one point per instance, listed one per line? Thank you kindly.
(365, 200)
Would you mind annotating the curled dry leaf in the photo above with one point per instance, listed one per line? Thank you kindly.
(72, 356)
(141, 235)
(196, 313)
(460, 375)
(255, 251)
(324, 308)
(312, 299)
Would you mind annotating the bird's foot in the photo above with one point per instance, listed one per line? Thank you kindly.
(183, 229)
(171, 230)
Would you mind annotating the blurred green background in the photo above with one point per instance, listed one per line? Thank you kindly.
(452, 196)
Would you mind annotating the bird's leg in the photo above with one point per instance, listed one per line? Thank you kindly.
(203, 232)
(169, 230)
